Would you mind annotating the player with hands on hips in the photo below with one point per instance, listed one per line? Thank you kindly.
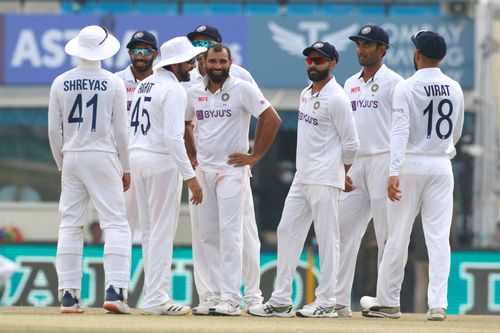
(327, 143)
(159, 162)
(427, 120)
(370, 92)
(223, 106)
(87, 124)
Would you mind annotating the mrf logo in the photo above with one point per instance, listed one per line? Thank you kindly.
(483, 287)
(203, 99)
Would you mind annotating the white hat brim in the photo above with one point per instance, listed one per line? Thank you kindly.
(106, 50)
(188, 55)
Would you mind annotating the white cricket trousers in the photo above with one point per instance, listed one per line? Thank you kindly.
(220, 217)
(205, 283)
(97, 176)
(426, 184)
(356, 209)
(132, 211)
(158, 187)
(304, 204)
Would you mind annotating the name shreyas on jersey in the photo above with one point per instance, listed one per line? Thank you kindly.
(364, 104)
(308, 118)
(437, 90)
(206, 114)
(85, 84)
(145, 87)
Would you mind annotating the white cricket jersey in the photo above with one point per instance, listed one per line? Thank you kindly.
(130, 82)
(157, 119)
(371, 103)
(223, 121)
(87, 113)
(326, 136)
(427, 117)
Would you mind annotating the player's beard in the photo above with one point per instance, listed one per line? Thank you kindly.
(217, 78)
(316, 75)
(144, 66)
(183, 75)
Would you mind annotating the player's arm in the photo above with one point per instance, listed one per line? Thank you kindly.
(120, 130)
(55, 125)
(189, 135)
(457, 131)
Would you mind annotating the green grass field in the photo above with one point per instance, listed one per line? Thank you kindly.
(30, 320)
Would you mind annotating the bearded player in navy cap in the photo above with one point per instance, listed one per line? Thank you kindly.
(370, 92)
(427, 120)
(327, 143)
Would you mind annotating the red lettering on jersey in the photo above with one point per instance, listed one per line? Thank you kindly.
(355, 89)
(203, 99)
(130, 89)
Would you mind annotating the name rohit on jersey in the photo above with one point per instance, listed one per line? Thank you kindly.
(85, 84)
(220, 113)
(308, 118)
(364, 104)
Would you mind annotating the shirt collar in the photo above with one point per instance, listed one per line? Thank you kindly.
(377, 76)
(325, 90)
(225, 85)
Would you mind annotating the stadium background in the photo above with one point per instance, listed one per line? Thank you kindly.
(266, 37)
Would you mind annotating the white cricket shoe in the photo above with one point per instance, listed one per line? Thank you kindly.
(271, 309)
(167, 309)
(315, 311)
(343, 310)
(116, 302)
(225, 308)
(372, 308)
(436, 314)
(251, 302)
(203, 309)
(69, 301)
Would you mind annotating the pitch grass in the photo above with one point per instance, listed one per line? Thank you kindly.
(30, 320)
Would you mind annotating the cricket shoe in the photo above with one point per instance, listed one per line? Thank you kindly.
(69, 303)
(203, 309)
(225, 308)
(251, 302)
(343, 310)
(372, 308)
(315, 311)
(271, 309)
(436, 314)
(167, 309)
(116, 303)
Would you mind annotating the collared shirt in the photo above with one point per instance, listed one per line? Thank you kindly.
(130, 82)
(157, 119)
(427, 117)
(326, 136)
(87, 113)
(223, 121)
(371, 103)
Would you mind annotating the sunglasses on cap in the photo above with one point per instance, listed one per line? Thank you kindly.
(143, 52)
(316, 61)
(204, 43)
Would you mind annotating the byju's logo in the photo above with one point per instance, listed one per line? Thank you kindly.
(294, 42)
(199, 114)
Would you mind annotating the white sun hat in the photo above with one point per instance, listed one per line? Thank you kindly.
(93, 43)
(177, 50)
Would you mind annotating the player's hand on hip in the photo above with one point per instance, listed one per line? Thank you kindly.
(349, 185)
(393, 191)
(238, 160)
(126, 181)
(196, 191)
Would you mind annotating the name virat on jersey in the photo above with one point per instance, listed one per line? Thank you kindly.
(85, 84)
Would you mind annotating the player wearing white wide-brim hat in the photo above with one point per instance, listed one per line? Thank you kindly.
(159, 163)
(87, 124)
(93, 43)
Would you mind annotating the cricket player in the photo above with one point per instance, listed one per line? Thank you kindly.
(223, 106)
(159, 162)
(427, 119)
(370, 92)
(87, 125)
(205, 35)
(327, 143)
(142, 50)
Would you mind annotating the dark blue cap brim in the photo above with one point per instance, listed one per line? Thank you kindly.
(355, 38)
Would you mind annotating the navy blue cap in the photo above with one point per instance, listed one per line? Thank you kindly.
(325, 48)
(143, 37)
(430, 44)
(372, 33)
(207, 31)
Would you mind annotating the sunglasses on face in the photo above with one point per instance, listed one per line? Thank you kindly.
(143, 52)
(316, 61)
(191, 61)
(204, 43)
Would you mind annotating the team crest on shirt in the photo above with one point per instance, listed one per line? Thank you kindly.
(316, 105)
(375, 87)
(225, 97)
